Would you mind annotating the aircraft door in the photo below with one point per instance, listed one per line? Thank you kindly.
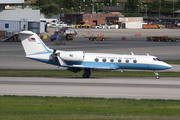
(24, 24)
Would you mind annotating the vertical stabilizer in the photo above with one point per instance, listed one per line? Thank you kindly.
(32, 44)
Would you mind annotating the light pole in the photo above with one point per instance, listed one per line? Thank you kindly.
(111, 2)
(173, 9)
(97, 6)
(102, 6)
(79, 9)
(159, 8)
(61, 14)
(146, 10)
(86, 8)
(84, 5)
(138, 8)
(72, 9)
(92, 8)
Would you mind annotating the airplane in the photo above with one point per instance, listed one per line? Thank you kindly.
(76, 61)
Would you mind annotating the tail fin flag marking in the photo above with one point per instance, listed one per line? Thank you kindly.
(31, 39)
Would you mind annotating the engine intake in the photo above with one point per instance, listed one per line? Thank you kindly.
(72, 55)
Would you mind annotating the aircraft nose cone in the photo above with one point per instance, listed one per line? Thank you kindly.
(168, 66)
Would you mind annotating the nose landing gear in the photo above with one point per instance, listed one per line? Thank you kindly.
(157, 75)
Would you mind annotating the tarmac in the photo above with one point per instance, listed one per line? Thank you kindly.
(13, 56)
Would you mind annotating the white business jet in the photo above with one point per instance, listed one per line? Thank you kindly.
(76, 61)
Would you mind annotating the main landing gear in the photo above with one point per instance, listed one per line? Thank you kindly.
(87, 73)
(157, 75)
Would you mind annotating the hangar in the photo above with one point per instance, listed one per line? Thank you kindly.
(18, 19)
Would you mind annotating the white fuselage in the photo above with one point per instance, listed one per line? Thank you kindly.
(104, 61)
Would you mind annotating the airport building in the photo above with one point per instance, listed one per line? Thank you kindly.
(91, 19)
(109, 14)
(18, 19)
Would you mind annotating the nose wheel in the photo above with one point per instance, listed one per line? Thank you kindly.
(157, 75)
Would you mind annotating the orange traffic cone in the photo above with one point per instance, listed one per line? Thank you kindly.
(123, 38)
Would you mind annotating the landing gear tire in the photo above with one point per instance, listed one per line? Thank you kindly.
(85, 76)
(157, 77)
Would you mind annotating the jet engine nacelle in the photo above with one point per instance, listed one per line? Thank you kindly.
(72, 55)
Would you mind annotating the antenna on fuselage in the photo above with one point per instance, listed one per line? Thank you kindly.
(132, 53)
(147, 54)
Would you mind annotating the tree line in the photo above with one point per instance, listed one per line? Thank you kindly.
(54, 7)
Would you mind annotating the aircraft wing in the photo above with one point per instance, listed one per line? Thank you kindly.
(78, 68)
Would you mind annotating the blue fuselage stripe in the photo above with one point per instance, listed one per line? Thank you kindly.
(109, 65)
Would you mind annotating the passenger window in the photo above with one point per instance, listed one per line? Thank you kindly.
(134, 61)
(104, 60)
(112, 60)
(119, 61)
(96, 59)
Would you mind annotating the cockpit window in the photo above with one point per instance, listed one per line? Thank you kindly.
(156, 59)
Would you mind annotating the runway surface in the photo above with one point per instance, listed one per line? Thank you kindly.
(137, 88)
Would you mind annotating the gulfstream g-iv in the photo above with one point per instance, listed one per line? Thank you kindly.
(76, 61)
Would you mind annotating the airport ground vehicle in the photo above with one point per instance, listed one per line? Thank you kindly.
(154, 26)
(110, 26)
(99, 27)
(54, 37)
(66, 33)
(82, 25)
(162, 39)
(101, 38)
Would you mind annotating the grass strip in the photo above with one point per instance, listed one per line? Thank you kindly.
(66, 73)
(45, 108)
(172, 62)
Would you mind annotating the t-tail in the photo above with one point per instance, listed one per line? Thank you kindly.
(35, 49)
(32, 44)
